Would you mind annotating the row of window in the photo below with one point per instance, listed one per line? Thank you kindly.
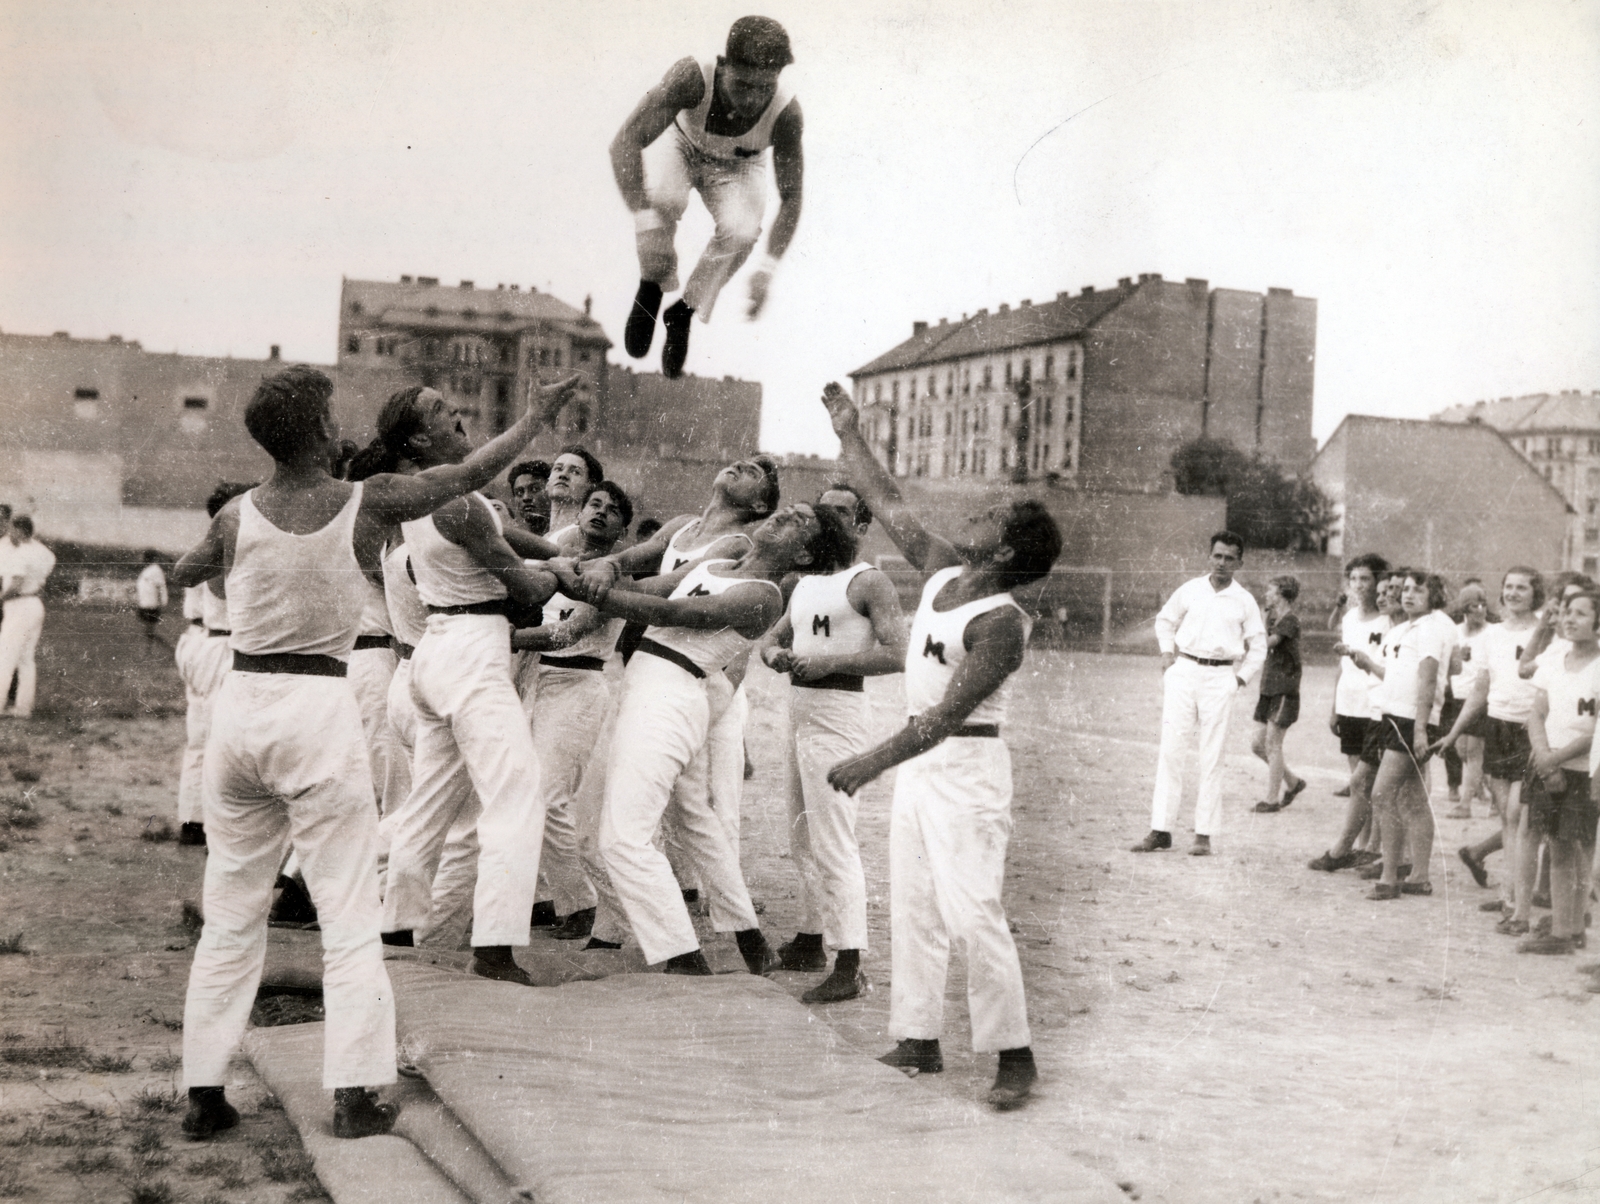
(1546, 446)
(1015, 372)
(975, 461)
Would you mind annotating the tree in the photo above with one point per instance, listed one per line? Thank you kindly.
(1267, 506)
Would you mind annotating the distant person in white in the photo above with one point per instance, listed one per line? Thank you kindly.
(150, 592)
(25, 565)
(1212, 644)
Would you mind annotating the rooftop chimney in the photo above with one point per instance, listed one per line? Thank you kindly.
(588, 306)
(405, 280)
(982, 313)
(918, 328)
(1124, 281)
(1088, 290)
(428, 280)
(1027, 303)
(116, 338)
(466, 284)
(944, 321)
(273, 354)
(1197, 282)
(516, 288)
(61, 334)
(1005, 307)
(1280, 292)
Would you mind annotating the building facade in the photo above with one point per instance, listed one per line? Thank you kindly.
(1559, 434)
(1097, 390)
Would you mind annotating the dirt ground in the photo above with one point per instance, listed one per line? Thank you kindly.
(1236, 1028)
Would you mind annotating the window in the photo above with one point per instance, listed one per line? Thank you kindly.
(556, 356)
(983, 462)
(988, 376)
(1005, 420)
(932, 388)
(583, 357)
(1005, 457)
(1008, 372)
(86, 394)
(944, 462)
(1590, 505)
(1591, 535)
(544, 357)
(894, 393)
(353, 344)
(877, 394)
(355, 307)
(1072, 367)
(950, 383)
(947, 421)
(1049, 409)
(1590, 566)
(195, 403)
(963, 460)
(1047, 455)
(1049, 367)
(964, 428)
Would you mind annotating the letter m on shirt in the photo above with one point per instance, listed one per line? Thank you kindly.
(934, 648)
(822, 623)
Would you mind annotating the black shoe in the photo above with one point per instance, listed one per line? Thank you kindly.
(499, 969)
(1328, 863)
(1014, 1081)
(576, 926)
(192, 834)
(357, 1113)
(804, 954)
(1474, 866)
(640, 330)
(596, 943)
(676, 349)
(209, 1114)
(913, 1057)
(403, 939)
(544, 915)
(694, 965)
(293, 905)
(1153, 842)
(758, 955)
(837, 987)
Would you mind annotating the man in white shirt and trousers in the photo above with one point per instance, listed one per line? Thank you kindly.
(27, 565)
(1212, 644)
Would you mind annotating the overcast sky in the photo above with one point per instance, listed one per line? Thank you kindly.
(199, 176)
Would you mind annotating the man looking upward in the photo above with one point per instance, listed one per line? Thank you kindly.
(723, 114)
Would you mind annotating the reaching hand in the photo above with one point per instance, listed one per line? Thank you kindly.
(596, 577)
(547, 400)
(840, 409)
(778, 659)
(850, 776)
(760, 282)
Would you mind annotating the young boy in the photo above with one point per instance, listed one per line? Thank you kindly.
(152, 596)
(1279, 705)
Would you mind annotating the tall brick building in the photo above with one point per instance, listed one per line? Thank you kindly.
(1096, 390)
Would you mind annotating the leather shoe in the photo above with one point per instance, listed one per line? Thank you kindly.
(1154, 842)
(806, 959)
(209, 1114)
(576, 926)
(640, 330)
(676, 348)
(1013, 1083)
(836, 988)
(357, 1113)
(691, 965)
(913, 1057)
(1474, 866)
(1328, 863)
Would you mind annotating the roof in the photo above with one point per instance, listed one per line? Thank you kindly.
(1440, 434)
(986, 333)
(489, 311)
(1569, 410)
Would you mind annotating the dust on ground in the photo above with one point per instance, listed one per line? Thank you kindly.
(1236, 1028)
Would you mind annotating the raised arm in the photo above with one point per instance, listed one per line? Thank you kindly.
(926, 551)
(209, 557)
(469, 524)
(998, 643)
(397, 499)
(681, 88)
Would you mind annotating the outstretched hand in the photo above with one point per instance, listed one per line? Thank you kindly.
(548, 400)
(841, 409)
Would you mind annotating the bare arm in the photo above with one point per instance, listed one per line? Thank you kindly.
(681, 88)
(774, 646)
(646, 557)
(1427, 685)
(881, 605)
(397, 499)
(926, 551)
(469, 524)
(530, 546)
(1476, 704)
(749, 611)
(997, 648)
(208, 558)
(789, 166)
(552, 637)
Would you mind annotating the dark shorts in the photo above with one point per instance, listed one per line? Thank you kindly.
(149, 614)
(1399, 735)
(1568, 814)
(1505, 750)
(1279, 709)
(1353, 731)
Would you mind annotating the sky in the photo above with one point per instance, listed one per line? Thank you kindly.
(199, 176)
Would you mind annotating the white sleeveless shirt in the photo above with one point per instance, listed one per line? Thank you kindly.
(408, 613)
(375, 612)
(825, 624)
(446, 573)
(937, 649)
(297, 594)
(710, 650)
(691, 123)
(600, 642)
(677, 555)
(214, 610)
(194, 602)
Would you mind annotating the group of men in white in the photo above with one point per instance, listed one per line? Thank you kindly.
(405, 689)
(25, 566)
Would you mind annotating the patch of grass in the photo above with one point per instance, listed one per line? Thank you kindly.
(100, 1162)
(13, 944)
(154, 1101)
(109, 1063)
(227, 1171)
(166, 1063)
(147, 1141)
(150, 1191)
(11, 1037)
(17, 814)
(286, 1166)
(48, 1057)
(157, 831)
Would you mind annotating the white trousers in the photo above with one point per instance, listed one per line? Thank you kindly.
(735, 194)
(826, 727)
(662, 722)
(19, 637)
(947, 863)
(372, 671)
(1194, 698)
(471, 736)
(568, 708)
(203, 663)
(714, 778)
(286, 765)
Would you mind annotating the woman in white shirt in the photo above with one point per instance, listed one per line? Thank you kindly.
(1559, 803)
(1465, 763)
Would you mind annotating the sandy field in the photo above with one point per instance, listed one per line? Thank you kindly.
(1237, 1028)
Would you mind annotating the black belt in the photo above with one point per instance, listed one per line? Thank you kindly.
(405, 650)
(210, 631)
(197, 622)
(289, 662)
(1210, 664)
(671, 654)
(495, 606)
(574, 662)
(851, 683)
(365, 643)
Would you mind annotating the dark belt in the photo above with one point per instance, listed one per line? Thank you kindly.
(671, 654)
(365, 643)
(495, 606)
(405, 650)
(850, 683)
(1210, 664)
(574, 662)
(288, 662)
(210, 631)
(989, 730)
(197, 622)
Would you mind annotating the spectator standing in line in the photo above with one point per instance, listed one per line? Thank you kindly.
(26, 566)
(151, 589)
(1279, 705)
(1464, 758)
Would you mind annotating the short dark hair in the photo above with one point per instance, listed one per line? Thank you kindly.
(1535, 579)
(1288, 587)
(1438, 595)
(619, 495)
(647, 528)
(537, 469)
(5, 512)
(1368, 560)
(1229, 539)
(1594, 603)
(151, 555)
(24, 524)
(770, 492)
(224, 493)
(400, 418)
(759, 42)
(863, 515)
(590, 464)
(1034, 539)
(833, 547)
(287, 409)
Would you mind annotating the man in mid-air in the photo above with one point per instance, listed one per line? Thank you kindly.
(724, 113)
